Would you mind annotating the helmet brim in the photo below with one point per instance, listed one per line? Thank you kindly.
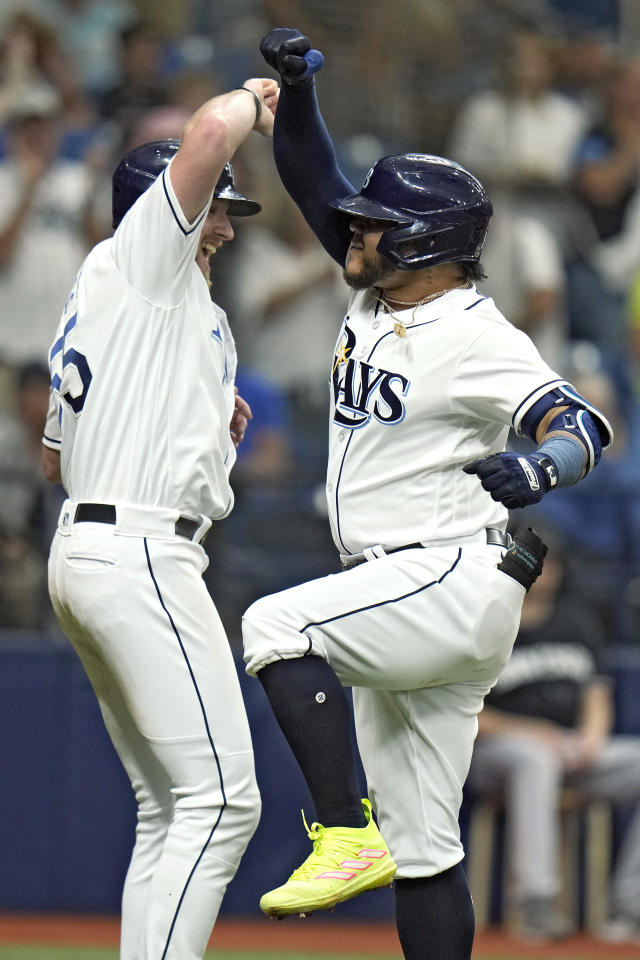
(239, 205)
(359, 206)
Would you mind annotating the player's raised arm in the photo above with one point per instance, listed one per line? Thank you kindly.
(212, 136)
(303, 151)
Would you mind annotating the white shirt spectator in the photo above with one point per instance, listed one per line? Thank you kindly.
(525, 277)
(507, 139)
(36, 279)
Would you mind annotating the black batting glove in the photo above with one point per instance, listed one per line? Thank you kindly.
(524, 559)
(514, 480)
(284, 48)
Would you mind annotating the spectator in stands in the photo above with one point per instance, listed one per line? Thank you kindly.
(633, 332)
(90, 32)
(32, 59)
(43, 201)
(583, 59)
(520, 138)
(606, 228)
(141, 85)
(25, 45)
(266, 460)
(189, 88)
(29, 506)
(548, 724)
(255, 548)
(526, 278)
(278, 273)
(601, 521)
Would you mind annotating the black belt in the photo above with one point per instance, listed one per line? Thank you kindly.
(106, 513)
(495, 538)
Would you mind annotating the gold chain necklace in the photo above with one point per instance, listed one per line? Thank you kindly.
(399, 326)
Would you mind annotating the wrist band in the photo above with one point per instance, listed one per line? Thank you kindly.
(567, 455)
(257, 100)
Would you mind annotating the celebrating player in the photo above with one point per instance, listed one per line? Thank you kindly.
(427, 379)
(142, 430)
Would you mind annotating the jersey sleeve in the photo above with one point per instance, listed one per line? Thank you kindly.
(154, 247)
(52, 435)
(499, 376)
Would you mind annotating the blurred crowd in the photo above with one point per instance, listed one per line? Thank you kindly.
(540, 99)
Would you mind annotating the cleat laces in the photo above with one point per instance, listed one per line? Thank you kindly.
(327, 853)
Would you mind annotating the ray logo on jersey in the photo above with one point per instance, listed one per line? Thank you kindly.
(361, 390)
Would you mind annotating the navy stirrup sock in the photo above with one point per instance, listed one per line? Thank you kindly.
(434, 916)
(313, 712)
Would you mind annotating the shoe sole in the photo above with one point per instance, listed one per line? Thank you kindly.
(302, 910)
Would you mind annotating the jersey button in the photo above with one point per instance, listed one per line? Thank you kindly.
(329, 487)
(340, 436)
(375, 324)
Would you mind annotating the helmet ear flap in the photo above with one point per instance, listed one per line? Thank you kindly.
(439, 239)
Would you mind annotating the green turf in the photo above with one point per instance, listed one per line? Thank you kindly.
(86, 953)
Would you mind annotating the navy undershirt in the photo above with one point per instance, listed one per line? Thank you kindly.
(308, 167)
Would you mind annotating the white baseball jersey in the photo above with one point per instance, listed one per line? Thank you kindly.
(409, 412)
(138, 326)
(420, 635)
(142, 369)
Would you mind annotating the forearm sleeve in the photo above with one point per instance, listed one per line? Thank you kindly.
(308, 167)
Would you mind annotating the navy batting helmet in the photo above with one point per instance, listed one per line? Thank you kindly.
(439, 211)
(141, 166)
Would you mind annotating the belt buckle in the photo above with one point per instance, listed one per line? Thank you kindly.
(498, 538)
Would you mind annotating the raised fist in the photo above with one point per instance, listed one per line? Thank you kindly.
(284, 48)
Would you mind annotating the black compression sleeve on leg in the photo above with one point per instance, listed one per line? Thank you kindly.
(434, 916)
(312, 709)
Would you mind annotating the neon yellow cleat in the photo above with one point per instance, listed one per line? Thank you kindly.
(345, 861)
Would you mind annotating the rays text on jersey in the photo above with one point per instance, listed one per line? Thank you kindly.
(361, 391)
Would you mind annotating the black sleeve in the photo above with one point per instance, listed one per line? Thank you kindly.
(307, 164)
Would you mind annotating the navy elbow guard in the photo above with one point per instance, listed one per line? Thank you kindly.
(580, 419)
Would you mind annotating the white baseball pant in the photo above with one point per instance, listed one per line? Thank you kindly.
(139, 616)
(421, 635)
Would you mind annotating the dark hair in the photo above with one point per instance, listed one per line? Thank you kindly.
(471, 270)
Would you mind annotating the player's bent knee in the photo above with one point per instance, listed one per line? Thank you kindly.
(269, 634)
(264, 613)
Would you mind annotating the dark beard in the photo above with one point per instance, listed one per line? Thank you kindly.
(370, 274)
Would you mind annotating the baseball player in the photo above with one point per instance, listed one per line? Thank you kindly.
(426, 380)
(142, 431)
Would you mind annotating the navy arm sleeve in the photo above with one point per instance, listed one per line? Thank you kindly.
(307, 164)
